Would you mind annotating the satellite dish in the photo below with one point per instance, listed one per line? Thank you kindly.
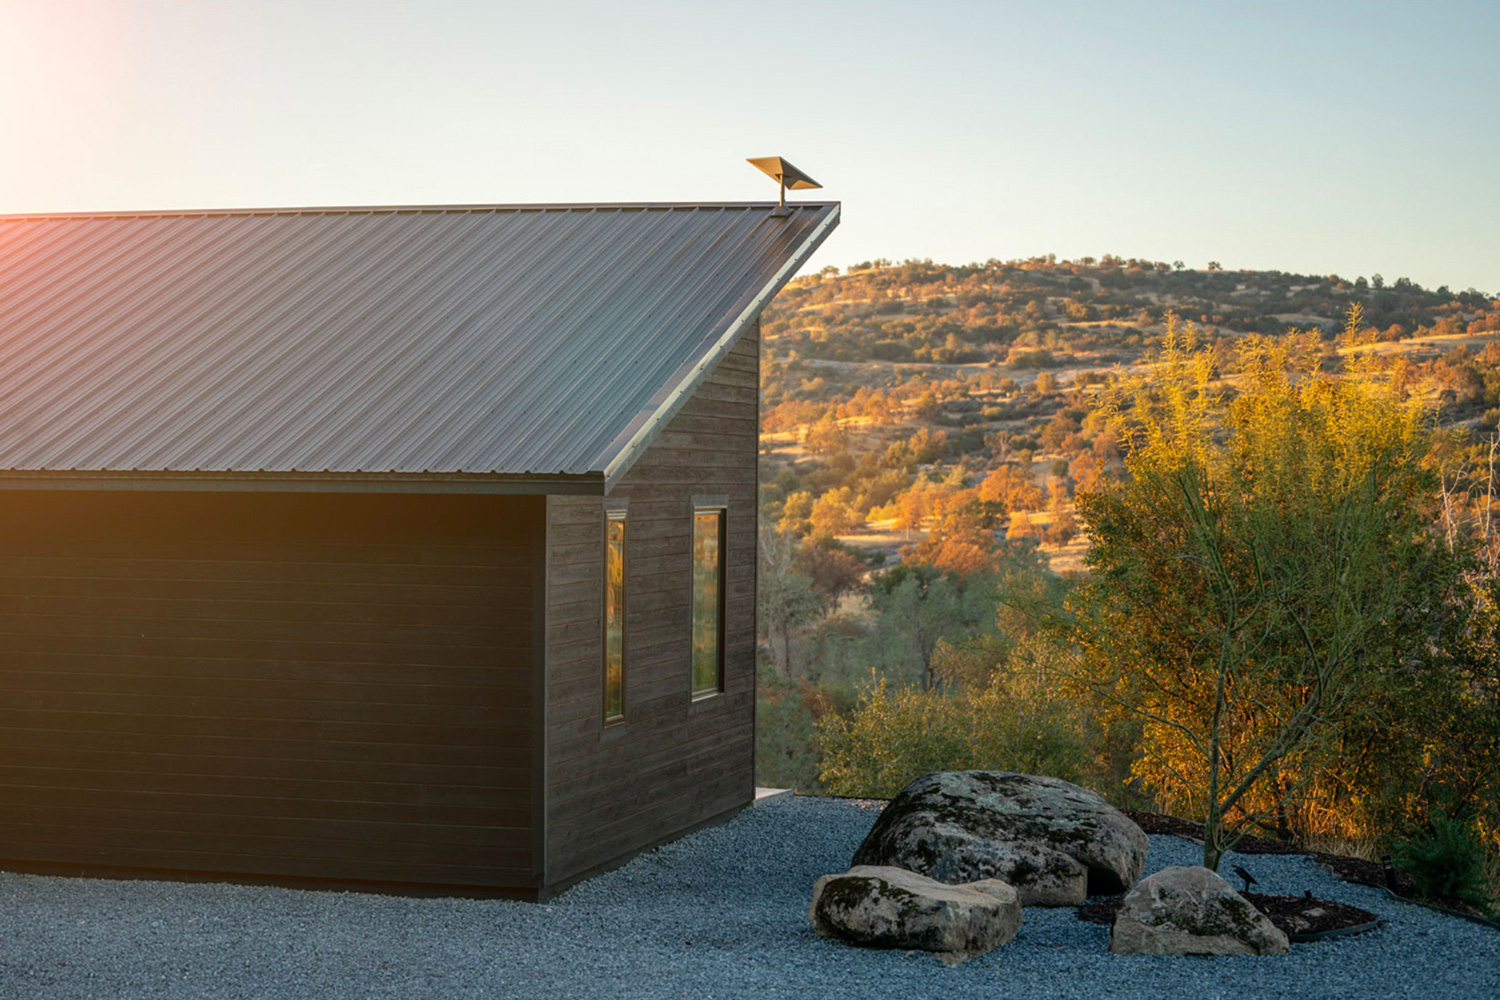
(786, 175)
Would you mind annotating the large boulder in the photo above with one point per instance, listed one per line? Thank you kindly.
(893, 908)
(1191, 911)
(1055, 842)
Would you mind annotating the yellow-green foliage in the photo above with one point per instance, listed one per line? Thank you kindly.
(1288, 431)
(893, 736)
(1262, 570)
(1018, 722)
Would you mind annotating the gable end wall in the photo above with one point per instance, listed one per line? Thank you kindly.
(674, 764)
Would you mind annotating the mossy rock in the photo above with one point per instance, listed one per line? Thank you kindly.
(882, 907)
(1052, 840)
(1191, 911)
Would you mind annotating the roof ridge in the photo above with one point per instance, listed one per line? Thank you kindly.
(174, 213)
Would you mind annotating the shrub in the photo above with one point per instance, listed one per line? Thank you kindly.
(1019, 722)
(1448, 860)
(786, 753)
(892, 737)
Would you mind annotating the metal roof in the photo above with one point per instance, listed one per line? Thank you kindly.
(536, 343)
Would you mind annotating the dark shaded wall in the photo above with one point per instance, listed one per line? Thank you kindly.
(270, 686)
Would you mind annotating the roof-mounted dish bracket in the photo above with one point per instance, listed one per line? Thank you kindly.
(786, 175)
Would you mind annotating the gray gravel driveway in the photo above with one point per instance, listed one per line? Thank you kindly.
(722, 913)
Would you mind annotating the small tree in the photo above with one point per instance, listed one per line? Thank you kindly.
(833, 571)
(916, 608)
(826, 437)
(1253, 577)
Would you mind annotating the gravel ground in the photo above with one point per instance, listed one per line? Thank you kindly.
(722, 913)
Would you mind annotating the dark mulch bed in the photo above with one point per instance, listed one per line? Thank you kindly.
(1365, 873)
(1349, 869)
(1099, 909)
(1302, 916)
(1356, 870)
(1161, 823)
(1299, 917)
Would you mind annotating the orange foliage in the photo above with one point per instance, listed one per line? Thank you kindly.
(833, 513)
(1012, 488)
(789, 415)
(826, 437)
(1020, 526)
(961, 536)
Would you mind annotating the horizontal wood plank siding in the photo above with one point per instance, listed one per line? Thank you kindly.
(302, 686)
(674, 763)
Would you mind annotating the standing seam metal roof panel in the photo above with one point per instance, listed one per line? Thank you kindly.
(509, 340)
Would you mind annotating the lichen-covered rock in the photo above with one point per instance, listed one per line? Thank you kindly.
(881, 907)
(1191, 911)
(1055, 842)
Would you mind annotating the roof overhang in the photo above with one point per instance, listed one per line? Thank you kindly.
(683, 384)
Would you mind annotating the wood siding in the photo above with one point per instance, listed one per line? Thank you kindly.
(270, 686)
(674, 763)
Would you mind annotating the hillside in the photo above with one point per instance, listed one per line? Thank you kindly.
(925, 429)
(1012, 311)
(887, 374)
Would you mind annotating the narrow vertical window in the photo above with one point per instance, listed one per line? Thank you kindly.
(708, 601)
(614, 616)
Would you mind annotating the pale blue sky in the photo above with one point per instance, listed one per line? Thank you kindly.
(1312, 137)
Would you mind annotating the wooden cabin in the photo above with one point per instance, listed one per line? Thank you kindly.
(405, 549)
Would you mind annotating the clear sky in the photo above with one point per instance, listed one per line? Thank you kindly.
(1313, 137)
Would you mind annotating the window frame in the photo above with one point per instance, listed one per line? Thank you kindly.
(717, 506)
(615, 513)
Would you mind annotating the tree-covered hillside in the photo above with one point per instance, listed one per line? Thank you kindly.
(886, 387)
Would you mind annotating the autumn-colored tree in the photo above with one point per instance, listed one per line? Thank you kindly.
(1062, 530)
(1076, 310)
(827, 436)
(1246, 595)
(1058, 495)
(880, 489)
(790, 414)
(880, 410)
(908, 510)
(1012, 487)
(833, 513)
(1106, 447)
(1058, 429)
(920, 448)
(1085, 472)
(960, 537)
(795, 512)
(834, 571)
